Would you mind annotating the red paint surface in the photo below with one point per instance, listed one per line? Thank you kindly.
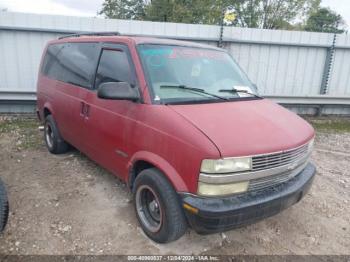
(248, 127)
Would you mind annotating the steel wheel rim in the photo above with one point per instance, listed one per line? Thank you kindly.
(148, 208)
(49, 135)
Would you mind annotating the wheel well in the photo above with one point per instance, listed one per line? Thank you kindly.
(46, 112)
(136, 169)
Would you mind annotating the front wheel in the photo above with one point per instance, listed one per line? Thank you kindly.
(53, 139)
(157, 207)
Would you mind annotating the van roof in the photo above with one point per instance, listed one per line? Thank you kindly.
(114, 36)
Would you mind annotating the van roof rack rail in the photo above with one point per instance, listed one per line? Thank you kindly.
(90, 34)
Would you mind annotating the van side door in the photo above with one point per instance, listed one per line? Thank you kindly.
(71, 68)
(108, 122)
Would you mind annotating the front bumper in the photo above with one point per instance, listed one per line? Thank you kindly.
(220, 214)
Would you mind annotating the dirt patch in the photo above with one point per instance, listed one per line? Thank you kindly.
(68, 205)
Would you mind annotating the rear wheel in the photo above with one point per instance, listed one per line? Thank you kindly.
(4, 207)
(158, 207)
(53, 139)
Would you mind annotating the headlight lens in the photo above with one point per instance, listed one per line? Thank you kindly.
(205, 189)
(226, 165)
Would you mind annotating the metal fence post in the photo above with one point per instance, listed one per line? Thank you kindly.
(328, 64)
(221, 28)
(327, 69)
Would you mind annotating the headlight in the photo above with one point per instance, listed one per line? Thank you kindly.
(226, 165)
(205, 189)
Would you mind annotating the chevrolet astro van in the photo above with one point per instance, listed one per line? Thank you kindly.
(181, 124)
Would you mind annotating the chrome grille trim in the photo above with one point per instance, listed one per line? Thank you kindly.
(267, 166)
(279, 159)
(270, 181)
(278, 156)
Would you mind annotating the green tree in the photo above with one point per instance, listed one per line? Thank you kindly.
(325, 20)
(270, 14)
(123, 9)
(183, 11)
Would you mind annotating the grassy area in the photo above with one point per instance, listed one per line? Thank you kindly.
(9, 125)
(337, 125)
(24, 129)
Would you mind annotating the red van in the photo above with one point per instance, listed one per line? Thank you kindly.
(181, 124)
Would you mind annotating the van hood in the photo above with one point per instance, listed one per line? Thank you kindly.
(242, 128)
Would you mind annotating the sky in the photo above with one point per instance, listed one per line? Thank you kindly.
(60, 7)
(91, 7)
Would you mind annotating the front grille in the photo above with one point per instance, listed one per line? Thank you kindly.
(297, 156)
(270, 181)
(279, 159)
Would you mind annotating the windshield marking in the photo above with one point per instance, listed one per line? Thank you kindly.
(209, 70)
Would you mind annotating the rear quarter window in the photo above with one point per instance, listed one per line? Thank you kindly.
(72, 63)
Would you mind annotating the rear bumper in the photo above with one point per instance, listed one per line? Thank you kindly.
(220, 214)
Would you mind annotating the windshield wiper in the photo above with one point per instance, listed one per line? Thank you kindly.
(234, 90)
(199, 90)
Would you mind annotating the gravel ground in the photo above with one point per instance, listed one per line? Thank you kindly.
(68, 205)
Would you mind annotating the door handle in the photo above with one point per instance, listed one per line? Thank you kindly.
(87, 111)
(84, 110)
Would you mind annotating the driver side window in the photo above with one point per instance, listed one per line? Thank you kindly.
(113, 67)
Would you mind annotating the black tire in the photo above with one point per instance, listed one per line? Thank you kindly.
(53, 139)
(4, 207)
(172, 224)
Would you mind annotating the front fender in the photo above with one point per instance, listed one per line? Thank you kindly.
(163, 165)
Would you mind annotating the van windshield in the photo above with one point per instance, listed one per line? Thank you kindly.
(179, 74)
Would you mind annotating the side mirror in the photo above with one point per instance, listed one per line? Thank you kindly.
(117, 91)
